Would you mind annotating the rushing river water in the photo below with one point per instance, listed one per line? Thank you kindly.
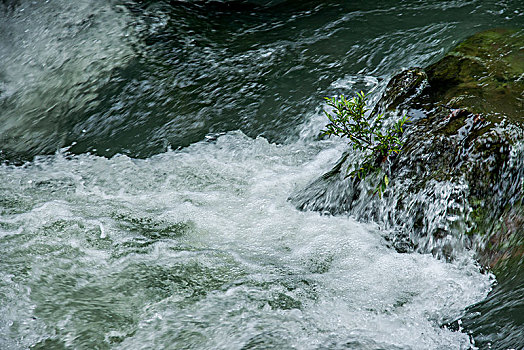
(164, 140)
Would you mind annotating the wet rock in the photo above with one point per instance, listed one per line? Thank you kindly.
(483, 74)
(458, 183)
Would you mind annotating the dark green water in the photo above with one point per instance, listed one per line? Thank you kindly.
(147, 229)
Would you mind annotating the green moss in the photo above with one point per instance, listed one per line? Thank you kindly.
(483, 74)
(453, 127)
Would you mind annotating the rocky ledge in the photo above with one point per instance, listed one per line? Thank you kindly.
(459, 179)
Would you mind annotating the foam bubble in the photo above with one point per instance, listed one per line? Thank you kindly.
(200, 247)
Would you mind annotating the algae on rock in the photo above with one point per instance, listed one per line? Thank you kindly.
(459, 179)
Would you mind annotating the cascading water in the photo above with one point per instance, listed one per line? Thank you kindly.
(201, 248)
(54, 55)
(141, 232)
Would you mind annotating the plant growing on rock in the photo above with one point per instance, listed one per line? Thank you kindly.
(347, 118)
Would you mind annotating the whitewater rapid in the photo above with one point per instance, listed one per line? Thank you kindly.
(200, 248)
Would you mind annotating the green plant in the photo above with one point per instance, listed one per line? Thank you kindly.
(347, 118)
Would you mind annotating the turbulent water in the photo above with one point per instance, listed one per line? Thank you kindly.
(150, 149)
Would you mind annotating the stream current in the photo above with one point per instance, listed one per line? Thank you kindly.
(150, 149)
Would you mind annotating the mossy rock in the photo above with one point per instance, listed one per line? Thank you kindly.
(483, 74)
(461, 150)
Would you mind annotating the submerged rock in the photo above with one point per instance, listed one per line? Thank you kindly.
(459, 180)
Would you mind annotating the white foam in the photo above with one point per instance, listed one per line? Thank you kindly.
(289, 278)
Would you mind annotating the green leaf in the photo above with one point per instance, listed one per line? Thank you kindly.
(365, 134)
